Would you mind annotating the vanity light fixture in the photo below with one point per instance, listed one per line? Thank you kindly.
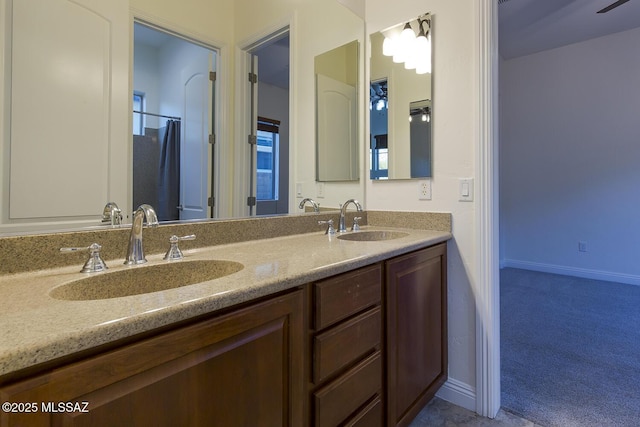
(405, 47)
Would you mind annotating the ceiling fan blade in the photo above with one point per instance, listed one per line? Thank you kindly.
(612, 6)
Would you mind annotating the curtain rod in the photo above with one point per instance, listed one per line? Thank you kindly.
(158, 115)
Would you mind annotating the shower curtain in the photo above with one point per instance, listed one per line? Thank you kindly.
(169, 173)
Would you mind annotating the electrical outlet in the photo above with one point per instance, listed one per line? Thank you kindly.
(424, 189)
(320, 190)
(299, 190)
(582, 246)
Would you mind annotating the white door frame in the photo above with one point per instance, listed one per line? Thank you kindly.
(486, 219)
(242, 123)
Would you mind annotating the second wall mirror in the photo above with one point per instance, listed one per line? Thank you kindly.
(401, 101)
(336, 73)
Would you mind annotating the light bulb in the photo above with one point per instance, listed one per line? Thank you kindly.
(407, 35)
(403, 45)
(423, 49)
(388, 46)
(424, 117)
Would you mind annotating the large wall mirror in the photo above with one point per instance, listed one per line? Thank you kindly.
(337, 145)
(61, 173)
(401, 101)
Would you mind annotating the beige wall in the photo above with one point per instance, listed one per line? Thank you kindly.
(454, 137)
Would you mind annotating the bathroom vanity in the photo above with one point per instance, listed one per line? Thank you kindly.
(314, 330)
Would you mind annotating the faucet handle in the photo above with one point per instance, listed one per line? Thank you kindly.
(356, 225)
(174, 253)
(330, 229)
(94, 264)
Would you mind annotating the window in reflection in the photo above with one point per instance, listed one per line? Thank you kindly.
(379, 130)
(138, 119)
(267, 159)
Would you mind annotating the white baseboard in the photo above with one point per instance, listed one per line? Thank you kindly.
(458, 393)
(572, 271)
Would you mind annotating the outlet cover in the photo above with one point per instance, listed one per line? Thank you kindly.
(424, 189)
(320, 190)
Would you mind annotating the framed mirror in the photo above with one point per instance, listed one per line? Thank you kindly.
(336, 73)
(401, 101)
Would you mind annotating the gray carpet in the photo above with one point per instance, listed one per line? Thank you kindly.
(570, 350)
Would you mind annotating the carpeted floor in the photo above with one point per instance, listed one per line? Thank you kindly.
(570, 350)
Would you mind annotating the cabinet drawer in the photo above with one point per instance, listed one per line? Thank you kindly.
(342, 397)
(345, 343)
(370, 416)
(339, 297)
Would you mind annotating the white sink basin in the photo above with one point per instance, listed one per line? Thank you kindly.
(144, 279)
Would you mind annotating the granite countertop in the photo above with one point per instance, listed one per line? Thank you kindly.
(36, 328)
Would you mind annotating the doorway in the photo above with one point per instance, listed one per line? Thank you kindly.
(269, 116)
(173, 124)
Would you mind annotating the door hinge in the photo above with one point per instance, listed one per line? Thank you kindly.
(251, 201)
(212, 76)
(211, 201)
(253, 140)
(253, 78)
(212, 139)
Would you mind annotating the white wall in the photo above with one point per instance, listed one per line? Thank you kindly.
(569, 153)
(146, 80)
(454, 76)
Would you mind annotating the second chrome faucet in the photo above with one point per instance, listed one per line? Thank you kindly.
(342, 228)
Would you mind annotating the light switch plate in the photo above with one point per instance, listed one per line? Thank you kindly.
(465, 192)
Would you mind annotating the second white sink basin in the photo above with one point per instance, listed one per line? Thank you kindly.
(372, 235)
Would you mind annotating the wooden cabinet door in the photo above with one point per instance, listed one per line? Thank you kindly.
(416, 331)
(240, 369)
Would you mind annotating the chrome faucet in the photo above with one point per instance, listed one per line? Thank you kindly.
(135, 253)
(111, 214)
(343, 210)
(316, 206)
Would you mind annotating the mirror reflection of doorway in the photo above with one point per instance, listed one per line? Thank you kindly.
(173, 116)
(272, 116)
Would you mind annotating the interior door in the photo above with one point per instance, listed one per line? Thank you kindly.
(336, 111)
(196, 128)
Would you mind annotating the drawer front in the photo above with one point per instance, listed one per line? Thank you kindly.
(370, 416)
(345, 343)
(342, 296)
(341, 398)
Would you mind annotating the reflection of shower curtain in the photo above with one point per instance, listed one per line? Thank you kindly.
(169, 173)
